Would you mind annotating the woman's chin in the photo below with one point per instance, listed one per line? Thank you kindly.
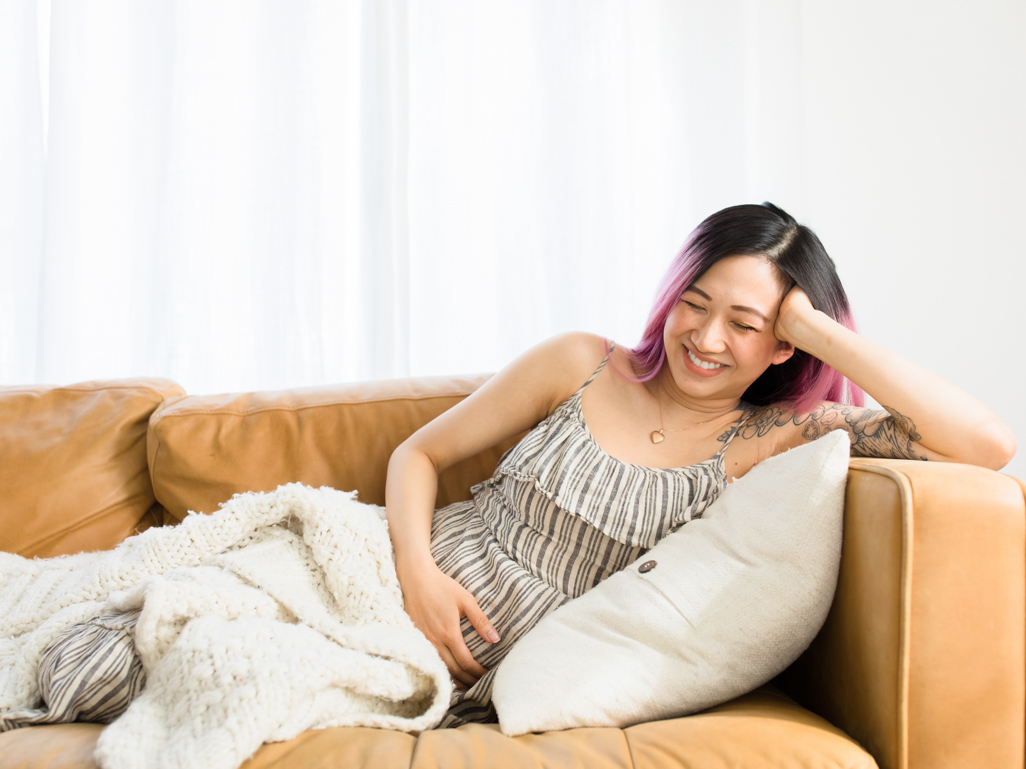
(705, 389)
(724, 387)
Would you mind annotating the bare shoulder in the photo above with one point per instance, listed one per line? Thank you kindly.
(546, 374)
(882, 433)
(514, 400)
(566, 361)
(574, 351)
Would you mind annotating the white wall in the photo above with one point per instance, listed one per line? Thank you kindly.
(914, 160)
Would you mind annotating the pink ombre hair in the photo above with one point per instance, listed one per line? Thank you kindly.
(800, 383)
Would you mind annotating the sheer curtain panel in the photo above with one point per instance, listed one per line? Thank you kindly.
(246, 195)
(21, 190)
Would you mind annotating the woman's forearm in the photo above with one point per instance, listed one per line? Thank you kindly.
(434, 601)
(939, 416)
(410, 491)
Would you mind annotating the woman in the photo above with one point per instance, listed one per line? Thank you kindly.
(749, 350)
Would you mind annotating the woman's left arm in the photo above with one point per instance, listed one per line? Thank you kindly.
(924, 417)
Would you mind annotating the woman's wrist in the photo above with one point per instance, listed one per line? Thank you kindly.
(411, 562)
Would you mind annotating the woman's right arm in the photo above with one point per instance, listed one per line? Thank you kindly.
(434, 601)
(514, 400)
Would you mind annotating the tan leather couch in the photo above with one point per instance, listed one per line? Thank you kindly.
(921, 664)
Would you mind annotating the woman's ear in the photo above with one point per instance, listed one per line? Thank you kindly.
(784, 352)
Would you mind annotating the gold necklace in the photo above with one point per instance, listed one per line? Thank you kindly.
(658, 436)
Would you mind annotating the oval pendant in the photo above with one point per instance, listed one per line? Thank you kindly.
(657, 436)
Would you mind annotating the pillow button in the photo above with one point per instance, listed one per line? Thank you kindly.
(647, 566)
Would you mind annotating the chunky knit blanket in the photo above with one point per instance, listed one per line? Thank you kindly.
(279, 613)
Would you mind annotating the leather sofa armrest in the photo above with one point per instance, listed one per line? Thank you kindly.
(923, 656)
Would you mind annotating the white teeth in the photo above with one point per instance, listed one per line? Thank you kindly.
(702, 363)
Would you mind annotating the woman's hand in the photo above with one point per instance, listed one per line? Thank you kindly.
(794, 316)
(435, 603)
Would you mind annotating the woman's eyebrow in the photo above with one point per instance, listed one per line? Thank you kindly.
(738, 307)
(752, 310)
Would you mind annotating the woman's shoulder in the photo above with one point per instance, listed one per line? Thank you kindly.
(552, 370)
(575, 356)
(576, 353)
(514, 400)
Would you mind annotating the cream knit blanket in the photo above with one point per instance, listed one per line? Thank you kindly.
(279, 613)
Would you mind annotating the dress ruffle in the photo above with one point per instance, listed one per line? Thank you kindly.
(633, 505)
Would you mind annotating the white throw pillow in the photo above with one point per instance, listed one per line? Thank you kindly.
(732, 599)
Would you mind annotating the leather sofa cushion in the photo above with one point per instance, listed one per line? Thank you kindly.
(761, 730)
(73, 464)
(203, 449)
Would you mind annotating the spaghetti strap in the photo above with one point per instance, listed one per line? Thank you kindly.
(610, 346)
(737, 428)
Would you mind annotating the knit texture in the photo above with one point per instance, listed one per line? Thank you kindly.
(279, 613)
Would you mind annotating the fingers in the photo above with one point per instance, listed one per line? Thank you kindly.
(465, 659)
(436, 603)
(462, 678)
(458, 659)
(478, 619)
(468, 670)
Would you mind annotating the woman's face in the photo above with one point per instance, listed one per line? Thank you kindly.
(719, 336)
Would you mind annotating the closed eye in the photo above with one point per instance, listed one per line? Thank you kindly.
(743, 327)
(692, 305)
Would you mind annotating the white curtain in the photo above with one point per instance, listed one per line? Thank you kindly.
(21, 191)
(247, 195)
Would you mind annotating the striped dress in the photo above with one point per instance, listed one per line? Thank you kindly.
(558, 516)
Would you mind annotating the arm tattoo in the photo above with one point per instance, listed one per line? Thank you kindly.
(888, 434)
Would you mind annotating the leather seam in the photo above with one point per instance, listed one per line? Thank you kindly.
(219, 412)
(630, 750)
(78, 389)
(151, 464)
(1021, 482)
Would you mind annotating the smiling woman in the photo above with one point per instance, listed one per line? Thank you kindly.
(749, 350)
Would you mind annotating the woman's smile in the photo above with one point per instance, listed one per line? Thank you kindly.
(702, 366)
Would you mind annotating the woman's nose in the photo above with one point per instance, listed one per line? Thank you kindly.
(709, 337)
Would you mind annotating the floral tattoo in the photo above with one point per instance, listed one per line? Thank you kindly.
(887, 434)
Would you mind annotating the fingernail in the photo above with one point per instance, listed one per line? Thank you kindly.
(492, 636)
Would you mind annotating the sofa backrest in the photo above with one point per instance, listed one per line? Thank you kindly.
(202, 449)
(73, 471)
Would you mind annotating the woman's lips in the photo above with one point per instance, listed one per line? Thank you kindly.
(696, 368)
